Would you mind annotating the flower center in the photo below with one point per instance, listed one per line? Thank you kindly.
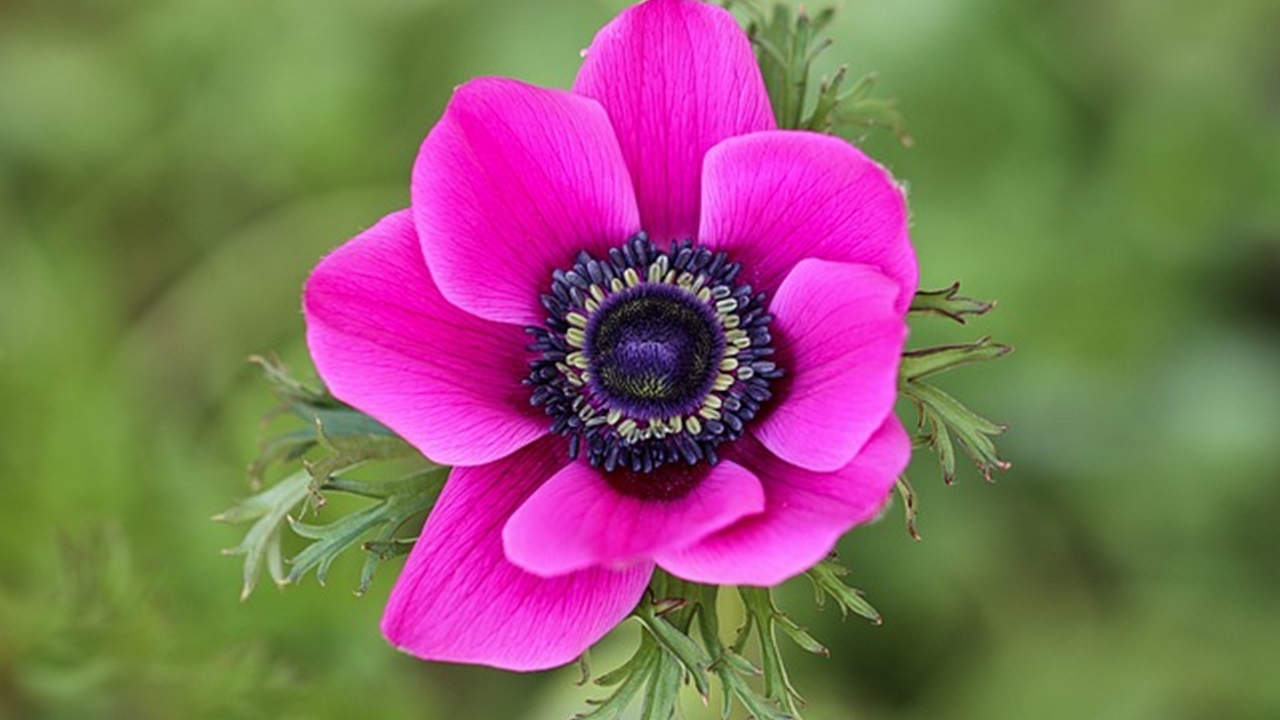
(653, 351)
(651, 357)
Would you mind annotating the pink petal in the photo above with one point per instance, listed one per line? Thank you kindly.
(460, 600)
(578, 520)
(805, 514)
(774, 199)
(386, 341)
(676, 77)
(840, 340)
(511, 183)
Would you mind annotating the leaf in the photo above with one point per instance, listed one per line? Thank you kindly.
(787, 45)
(632, 677)
(800, 636)
(675, 641)
(673, 613)
(399, 501)
(287, 387)
(944, 420)
(946, 303)
(324, 416)
(764, 616)
(334, 439)
(909, 507)
(344, 452)
(947, 417)
(269, 509)
(918, 364)
(827, 577)
(663, 689)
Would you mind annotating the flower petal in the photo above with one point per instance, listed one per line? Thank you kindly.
(512, 183)
(840, 340)
(578, 520)
(676, 77)
(386, 341)
(460, 600)
(805, 514)
(774, 199)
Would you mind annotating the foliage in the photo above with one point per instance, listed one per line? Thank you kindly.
(682, 643)
(788, 43)
(335, 441)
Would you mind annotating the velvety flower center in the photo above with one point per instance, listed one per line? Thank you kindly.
(651, 357)
(653, 351)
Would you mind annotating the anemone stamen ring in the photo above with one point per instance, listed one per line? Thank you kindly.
(651, 357)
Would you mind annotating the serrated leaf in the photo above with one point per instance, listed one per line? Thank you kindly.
(777, 683)
(827, 577)
(756, 705)
(740, 664)
(663, 690)
(330, 542)
(787, 45)
(269, 509)
(918, 364)
(323, 416)
(950, 418)
(398, 501)
(909, 506)
(281, 448)
(939, 438)
(678, 644)
(287, 386)
(380, 551)
(800, 636)
(624, 671)
(346, 452)
(341, 422)
(632, 677)
(948, 303)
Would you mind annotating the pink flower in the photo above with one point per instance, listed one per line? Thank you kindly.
(644, 326)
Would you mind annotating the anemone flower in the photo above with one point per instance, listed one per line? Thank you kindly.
(645, 328)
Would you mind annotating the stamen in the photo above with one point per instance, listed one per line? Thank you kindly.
(651, 358)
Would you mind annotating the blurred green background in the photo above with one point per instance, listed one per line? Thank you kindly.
(1109, 170)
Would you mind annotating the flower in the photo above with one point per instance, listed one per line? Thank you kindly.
(645, 327)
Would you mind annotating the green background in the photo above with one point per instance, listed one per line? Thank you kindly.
(1109, 170)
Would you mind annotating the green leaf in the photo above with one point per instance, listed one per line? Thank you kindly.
(323, 416)
(343, 422)
(333, 440)
(828, 582)
(663, 690)
(787, 45)
(631, 678)
(345, 452)
(399, 501)
(675, 640)
(380, 551)
(944, 420)
(947, 303)
(682, 637)
(764, 616)
(269, 509)
(909, 507)
(918, 364)
(945, 417)
(758, 707)
(800, 636)
(289, 388)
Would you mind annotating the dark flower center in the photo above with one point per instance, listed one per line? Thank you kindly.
(651, 357)
(653, 351)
